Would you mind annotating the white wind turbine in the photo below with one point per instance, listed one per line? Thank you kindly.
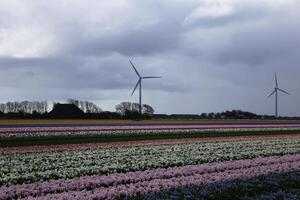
(139, 83)
(276, 89)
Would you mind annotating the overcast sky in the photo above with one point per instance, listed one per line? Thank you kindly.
(213, 55)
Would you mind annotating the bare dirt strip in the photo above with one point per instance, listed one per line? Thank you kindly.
(50, 148)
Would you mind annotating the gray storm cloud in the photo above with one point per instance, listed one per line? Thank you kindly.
(213, 55)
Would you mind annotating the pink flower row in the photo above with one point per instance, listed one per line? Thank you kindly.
(67, 147)
(142, 182)
(143, 127)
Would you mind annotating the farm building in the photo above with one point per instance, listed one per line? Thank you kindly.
(66, 111)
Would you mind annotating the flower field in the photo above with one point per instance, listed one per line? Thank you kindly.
(258, 166)
(138, 129)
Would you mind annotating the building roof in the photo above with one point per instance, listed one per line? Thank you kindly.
(66, 111)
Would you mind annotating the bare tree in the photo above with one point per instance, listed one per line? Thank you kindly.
(148, 109)
(86, 106)
(123, 107)
(135, 107)
(73, 101)
(92, 108)
(3, 107)
(82, 106)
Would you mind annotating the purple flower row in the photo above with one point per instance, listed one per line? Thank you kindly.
(140, 131)
(150, 181)
(264, 187)
(144, 127)
(158, 185)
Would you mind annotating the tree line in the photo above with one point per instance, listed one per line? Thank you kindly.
(24, 107)
(229, 114)
(40, 110)
(85, 106)
(130, 107)
(124, 110)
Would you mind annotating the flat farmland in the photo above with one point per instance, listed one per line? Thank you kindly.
(159, 159)
(132, 122)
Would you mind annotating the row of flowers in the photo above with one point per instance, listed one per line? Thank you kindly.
(142, 127)
(270, 186)
(106, 145)
(114, 132)
(34, 167)
(153, 183)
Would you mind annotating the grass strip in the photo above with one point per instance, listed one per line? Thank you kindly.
(81, 139)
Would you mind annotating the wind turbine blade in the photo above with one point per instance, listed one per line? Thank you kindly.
(284, 91)
(137, 84)
(134, 68)
(272, 93)
(151, 77)
(276, 81)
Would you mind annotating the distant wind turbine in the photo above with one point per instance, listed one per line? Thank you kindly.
(139, 83)
(276, 89)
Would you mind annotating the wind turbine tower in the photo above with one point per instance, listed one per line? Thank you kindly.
(275, 91)
(139, 83)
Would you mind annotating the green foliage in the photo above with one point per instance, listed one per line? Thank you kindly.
(131, 136)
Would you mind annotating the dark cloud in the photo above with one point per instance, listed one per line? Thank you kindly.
(213, 55)
(255, 45)
(110, 72)
(159, 32)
